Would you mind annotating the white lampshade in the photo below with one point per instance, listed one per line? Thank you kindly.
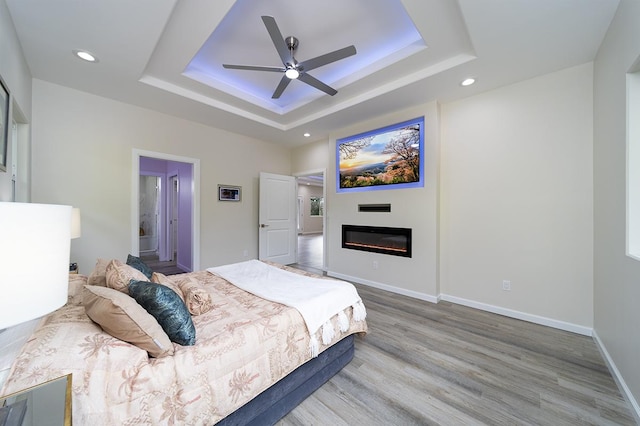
(76, 228)
(34, 260)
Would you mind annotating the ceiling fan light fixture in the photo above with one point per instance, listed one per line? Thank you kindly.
(292, 73)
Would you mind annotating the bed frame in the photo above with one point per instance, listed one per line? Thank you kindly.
(278, 400)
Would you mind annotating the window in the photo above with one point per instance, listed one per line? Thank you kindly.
(317, 206)
(633, 161)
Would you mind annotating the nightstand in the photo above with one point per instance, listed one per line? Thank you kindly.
(48, 403)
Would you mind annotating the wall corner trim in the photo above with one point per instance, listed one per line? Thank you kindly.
(622, 385)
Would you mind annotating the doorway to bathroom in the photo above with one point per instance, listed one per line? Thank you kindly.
(166, 212)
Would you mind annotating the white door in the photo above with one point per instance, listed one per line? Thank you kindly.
(278, 240)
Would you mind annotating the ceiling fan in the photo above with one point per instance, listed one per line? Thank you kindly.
(293, 69)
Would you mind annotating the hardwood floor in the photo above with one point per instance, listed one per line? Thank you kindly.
(447, 364)
(310, 247)
(166, 268)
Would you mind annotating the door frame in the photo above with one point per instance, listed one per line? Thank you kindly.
(135, 197)
(315, 172)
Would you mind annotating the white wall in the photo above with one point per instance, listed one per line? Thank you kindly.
(311, 157)
(517, 198)
(617, 277)
(82, 153)
(17, 78)
(516, 204)
(415, 208)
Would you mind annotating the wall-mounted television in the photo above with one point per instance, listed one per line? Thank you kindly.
(387, 158)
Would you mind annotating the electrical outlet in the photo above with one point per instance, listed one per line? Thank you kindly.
(375, 264)
(245, 253)
(506, 285)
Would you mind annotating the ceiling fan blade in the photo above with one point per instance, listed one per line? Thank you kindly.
(312, 81)
(284, 82)
(253, 68)
(327, 58)
(277, 39)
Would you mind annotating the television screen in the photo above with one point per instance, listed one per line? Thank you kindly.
(386, 158)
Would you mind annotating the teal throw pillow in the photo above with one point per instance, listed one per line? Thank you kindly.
(167, 308)
(136, 262)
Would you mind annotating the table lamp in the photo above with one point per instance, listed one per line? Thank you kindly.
(76, 226)
(34, 260)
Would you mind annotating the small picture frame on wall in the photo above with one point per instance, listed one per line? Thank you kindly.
(229, 193)
(4, 125)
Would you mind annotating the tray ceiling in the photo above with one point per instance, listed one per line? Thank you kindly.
(167, 55)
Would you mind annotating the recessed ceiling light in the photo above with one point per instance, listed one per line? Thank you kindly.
(306, 135)
(468, 81)
(86, 56)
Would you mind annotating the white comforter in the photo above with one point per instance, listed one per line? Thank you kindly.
(316, 299)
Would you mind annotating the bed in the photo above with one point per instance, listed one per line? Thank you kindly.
(252, 361)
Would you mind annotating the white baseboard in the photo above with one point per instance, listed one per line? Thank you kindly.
(381, 286)
(536, 319)
(549, 322)
(622, 385)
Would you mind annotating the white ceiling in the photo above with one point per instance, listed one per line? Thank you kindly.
(145, 46)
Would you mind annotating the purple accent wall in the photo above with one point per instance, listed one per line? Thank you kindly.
(153, 165)
(165, 169)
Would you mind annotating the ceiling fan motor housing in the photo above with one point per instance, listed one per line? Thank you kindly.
(292, 42)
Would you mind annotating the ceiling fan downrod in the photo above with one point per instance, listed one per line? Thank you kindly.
(292, 71)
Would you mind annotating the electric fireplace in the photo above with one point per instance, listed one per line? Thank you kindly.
(377, 239)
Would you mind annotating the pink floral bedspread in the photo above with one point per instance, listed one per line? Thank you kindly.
(243, 345)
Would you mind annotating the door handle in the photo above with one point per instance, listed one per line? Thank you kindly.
(262, 225)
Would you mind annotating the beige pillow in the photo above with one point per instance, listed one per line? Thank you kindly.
(196, 297)
(99, 274)
(123, 318)
(159, 278)
(120, 274)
